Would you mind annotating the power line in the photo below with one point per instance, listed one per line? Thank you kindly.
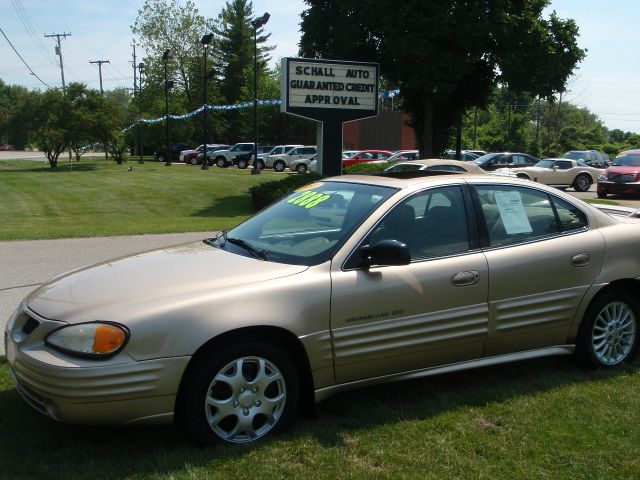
(20, 56)
(22, 15)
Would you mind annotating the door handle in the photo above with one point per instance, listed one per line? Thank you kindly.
(464, 279)
(580, 260)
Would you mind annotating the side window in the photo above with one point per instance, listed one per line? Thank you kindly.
(247, 148)
(295, 151)
(519, 160)
(563, 165)
(516, 214)
(309, 151)
(432, 223)
(570, 216)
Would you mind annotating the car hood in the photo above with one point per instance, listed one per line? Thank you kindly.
(625, 169)
(177, 273)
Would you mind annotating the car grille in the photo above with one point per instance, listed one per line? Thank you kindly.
(29, 396)
(623, 178)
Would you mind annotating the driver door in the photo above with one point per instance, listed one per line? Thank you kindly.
(434, 311)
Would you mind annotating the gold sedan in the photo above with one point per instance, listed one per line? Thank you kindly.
(561, 173)
(347, 282)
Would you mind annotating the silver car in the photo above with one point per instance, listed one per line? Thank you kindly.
(347, 282)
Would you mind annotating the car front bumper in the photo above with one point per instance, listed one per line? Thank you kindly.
(618, 188)
(118, 390)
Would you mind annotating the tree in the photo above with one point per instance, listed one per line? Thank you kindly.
(168, 24)
(52, 111)
(233, 60)
(11, 97)
(446, 56)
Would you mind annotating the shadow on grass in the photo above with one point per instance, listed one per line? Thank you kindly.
(32, 446)
(230, 206)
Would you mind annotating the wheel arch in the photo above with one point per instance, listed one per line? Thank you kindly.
(630, 285)
(282, 338)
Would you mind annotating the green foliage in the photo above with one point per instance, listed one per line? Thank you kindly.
(446, 56)
(268, 192)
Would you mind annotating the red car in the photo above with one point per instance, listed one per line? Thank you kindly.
(7, 148)
(366, 156)
(622, 177)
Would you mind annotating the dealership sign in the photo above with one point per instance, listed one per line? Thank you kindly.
(322, 89)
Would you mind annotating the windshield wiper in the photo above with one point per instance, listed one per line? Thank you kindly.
(257, 252)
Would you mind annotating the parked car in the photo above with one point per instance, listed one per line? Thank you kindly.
(366, 156)
(560, 173)
(226, 158)
(622, 177)
(410, 277)
(174, 152)
(593, 158)
(349, 153)
(246, 159)
(465, 155)
(282, 161)
(303, 165)
(211, 152)
(493, 161)
(277, 150)
(435, 164)
(7, 148)
(185, 155)
(404, 155)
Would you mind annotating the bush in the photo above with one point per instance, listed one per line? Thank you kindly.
(268, 192)
(368, 167)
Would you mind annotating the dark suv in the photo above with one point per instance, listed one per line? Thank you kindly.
(494, 161)
(174, 152)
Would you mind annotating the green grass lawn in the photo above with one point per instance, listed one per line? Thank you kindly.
(534, 420)
(96, 197)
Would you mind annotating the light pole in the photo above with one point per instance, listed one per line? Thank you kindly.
(256, 23)
(166, 56)
(141, 71)
(205, 41)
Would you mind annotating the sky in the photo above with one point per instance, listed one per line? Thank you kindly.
(605, 82)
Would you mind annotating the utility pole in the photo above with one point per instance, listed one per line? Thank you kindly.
(135, 71)
(100, 62)
(59, 53)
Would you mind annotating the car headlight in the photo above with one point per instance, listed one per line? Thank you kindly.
(602, 178)
(95, 339)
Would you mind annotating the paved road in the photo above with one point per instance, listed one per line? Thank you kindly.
(26, 264)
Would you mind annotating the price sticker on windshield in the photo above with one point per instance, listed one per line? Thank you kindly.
(309, 199)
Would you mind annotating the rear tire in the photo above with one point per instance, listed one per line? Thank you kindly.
(240, 394)
(260, 165)
(242, 164)
(279, 166)
(608, 335)
(582, 183)
(301, 168)
(194, 161)
(602, 195)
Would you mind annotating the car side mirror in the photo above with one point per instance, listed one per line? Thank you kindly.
(385, 253)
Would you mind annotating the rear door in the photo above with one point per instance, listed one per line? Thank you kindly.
(542, 258)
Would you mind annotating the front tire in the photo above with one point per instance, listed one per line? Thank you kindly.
(279, 166)
(221, 162)
(240, 394)
(582, 183)
(194, 161)
(608, 335)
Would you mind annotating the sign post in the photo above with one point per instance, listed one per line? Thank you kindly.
(330, 92)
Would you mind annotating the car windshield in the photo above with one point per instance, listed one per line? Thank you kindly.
(545, 164)
(308, 226)
(632, 159)
(485, 158)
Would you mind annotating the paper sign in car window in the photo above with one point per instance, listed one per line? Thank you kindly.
(514, 217)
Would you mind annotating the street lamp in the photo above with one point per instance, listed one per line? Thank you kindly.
(141, 71)
(256, 23)
(205, 41)
(166, 56)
